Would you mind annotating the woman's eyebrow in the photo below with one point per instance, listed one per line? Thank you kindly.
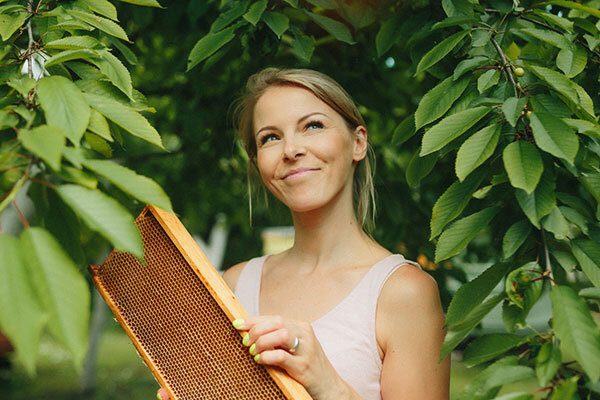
(299, 120)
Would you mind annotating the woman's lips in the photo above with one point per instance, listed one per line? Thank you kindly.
(298, 173)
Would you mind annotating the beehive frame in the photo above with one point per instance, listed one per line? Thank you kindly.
(177, 311)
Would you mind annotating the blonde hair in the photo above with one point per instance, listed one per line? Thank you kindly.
(332, 94)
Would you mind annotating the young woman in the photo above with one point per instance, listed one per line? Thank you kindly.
(341, 314)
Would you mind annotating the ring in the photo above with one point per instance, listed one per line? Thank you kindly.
(295, 346)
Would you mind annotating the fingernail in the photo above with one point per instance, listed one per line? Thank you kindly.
(238, 323)
(253, 349)
(257, 358)
(246, 340)
(158, 396)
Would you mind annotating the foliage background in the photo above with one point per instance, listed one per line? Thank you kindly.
(373, 49)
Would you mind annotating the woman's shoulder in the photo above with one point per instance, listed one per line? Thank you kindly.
(232, 274)
(409, 285)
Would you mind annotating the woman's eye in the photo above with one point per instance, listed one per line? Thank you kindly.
(267, 138)
(315, 124)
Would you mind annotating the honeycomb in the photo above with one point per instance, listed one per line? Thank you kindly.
(169, 314)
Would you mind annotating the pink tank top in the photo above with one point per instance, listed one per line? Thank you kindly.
(347, 332)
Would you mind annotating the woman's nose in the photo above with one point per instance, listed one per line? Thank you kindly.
(293, 148)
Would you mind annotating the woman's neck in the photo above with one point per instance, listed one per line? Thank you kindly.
(331, 235)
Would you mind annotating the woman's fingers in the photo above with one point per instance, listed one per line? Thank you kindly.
(162, 394)
(295, 366)
(280, 338)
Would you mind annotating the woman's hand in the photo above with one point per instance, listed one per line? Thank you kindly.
(271, 340)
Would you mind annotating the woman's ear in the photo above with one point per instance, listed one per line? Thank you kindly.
(360, 143)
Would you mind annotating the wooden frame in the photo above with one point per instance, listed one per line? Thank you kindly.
(216, 286)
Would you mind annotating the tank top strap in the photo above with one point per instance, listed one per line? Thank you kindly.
(379, 276)
(247, 288)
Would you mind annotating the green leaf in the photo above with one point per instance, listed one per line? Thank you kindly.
(461, 232)
(104, 24)
(471, 294)
(9, 23)
(104, 215)
(61, 288)
(566, 389)
(450, 128)
(303, 46)
(46, 142)
(590, 293)
(138, 186)
(565, 260)
(64, 106)
(547, 363)
(99, 125)
(21, 316)
(114, 69)
(512, 108)
(587, 253)
(442, 49)
(522, 288)
(208, 45)
(513, 317)
(576, 329)
(102, 7)
(592, 183)
(548, 36)
(335, 28)
(487, 80)
(125, 117)
(571, 61)
(540, 203)
(470, 321)
(585, 101)
(74, 43)
(404, 131)
(255, 12)
(555, 20)
(454, 21)
(523, 164)
(419, 167)
(388, 35)
(438, 100)
(452, 203)
(487, 347)
(556, 223)
(550, 104)
(98, 144)
(514, 237)
(146, 3)
(469, 64)
(476, 149)
(558, 82)
(278, 22)
(554, 136)
(486, 385)
(69, 55)
(576, 6)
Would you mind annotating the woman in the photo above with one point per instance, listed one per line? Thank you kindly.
(340, 313)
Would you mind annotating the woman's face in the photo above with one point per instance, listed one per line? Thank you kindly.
(306, 154)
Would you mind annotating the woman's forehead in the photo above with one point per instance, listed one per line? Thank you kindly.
(280, 103)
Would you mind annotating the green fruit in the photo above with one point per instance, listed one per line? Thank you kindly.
(528, 114)
(519, 71)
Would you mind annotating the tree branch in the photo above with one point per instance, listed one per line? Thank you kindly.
(506, 66)
(30, 46)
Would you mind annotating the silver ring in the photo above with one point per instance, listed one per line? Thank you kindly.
(295, 346)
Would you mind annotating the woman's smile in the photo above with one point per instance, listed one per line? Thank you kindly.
(298, 173)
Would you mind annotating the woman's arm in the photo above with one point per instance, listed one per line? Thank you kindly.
(410, 331)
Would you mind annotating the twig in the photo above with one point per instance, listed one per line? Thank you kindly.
(506, 66)
(548, 272)
(22, 218)
(31, 41)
